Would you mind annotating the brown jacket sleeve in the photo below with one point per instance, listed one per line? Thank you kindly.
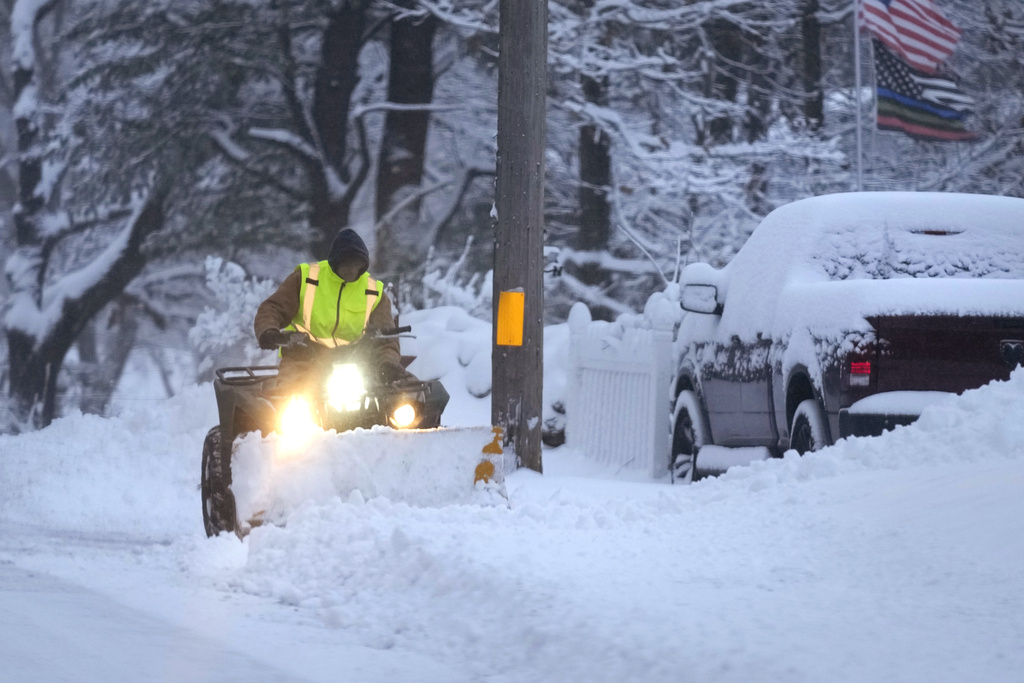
(280, 307)
(382, 318)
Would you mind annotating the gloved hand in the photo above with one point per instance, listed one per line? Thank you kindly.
(271, 339)
(391, 372)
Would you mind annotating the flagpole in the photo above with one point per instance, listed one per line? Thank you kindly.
(856, 99)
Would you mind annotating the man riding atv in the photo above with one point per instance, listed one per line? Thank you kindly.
(333, 302)
(340, 370)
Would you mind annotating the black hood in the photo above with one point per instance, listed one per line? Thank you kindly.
(349, 248)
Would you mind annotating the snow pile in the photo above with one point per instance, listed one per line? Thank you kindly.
(454, 347)
(480, 586)
(424, 468)
(136, 473)
(982, 425)
(451, 345)
(581, 577)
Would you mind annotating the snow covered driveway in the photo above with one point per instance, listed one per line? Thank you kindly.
(889, 559)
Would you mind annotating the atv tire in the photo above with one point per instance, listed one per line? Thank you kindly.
(218, 501)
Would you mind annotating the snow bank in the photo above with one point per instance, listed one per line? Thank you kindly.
(583, 576)
(136, 473)
(454, 347)
(982, 425)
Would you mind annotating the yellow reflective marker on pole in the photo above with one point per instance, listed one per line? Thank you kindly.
(511, 307)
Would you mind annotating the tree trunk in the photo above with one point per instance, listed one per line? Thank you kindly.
(595, 174)
(595, 170)
(814, 99)
(595, 166)
(336, 80)
(721, 82)
(103, 364)
(27, 125)
(756, 122)
(41, 329)
(403, 144)
(27, 380)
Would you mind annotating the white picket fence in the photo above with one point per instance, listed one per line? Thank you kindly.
(618, 393)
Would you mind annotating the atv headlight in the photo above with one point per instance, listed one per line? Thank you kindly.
(297, 423)
(403, 416)
(345, 388)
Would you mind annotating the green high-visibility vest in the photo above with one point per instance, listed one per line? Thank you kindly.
(333, 312)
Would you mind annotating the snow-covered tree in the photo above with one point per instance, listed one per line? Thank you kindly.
(225, 325)
(100, 172)
(48, 306)
(697, 104)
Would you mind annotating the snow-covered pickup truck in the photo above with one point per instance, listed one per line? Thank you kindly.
(846, 315)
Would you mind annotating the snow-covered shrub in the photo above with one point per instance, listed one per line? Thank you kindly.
(224, 331)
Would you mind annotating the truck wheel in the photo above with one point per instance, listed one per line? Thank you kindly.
(218, 501)
(687, 437)
(809, 431)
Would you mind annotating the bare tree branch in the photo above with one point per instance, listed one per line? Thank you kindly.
(434, 232)
(364, 167)
(289, 87)
(288, 141)
(242, 160)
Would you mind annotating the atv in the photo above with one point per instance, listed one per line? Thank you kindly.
(314, 386)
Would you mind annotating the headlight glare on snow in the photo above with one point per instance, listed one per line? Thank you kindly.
(297, 424)
(345, 388)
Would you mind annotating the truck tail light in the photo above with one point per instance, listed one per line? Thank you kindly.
(860, 373)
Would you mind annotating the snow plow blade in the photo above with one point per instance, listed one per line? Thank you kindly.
(422, 468)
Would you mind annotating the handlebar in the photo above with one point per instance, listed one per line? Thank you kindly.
(300, 340)
(293, 340)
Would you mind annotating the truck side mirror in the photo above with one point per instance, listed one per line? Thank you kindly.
(701, 299)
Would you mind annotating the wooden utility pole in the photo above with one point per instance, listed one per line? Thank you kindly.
(517, 364)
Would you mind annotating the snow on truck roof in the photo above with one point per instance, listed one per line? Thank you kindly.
(880, 235)
(833, 259)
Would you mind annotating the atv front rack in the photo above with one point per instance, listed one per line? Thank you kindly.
(241, 376)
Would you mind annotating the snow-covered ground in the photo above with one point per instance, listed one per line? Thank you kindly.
(890, 559)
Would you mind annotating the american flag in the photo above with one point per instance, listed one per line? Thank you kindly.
(922, 106)
(913, 29)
